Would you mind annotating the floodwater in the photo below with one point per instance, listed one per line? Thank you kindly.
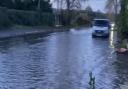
(60, 60)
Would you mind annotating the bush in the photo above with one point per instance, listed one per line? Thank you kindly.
(81, 21)
(10, 17)
(31, 18)
(4, 19)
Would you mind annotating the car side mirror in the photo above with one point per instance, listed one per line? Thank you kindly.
(109, 26)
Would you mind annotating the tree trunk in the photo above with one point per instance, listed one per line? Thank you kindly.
(68, 12)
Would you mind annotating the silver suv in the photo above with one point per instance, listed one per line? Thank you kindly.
(100, 28)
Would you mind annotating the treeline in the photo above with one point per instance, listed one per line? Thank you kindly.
(26, 12)
(43, 5)
(10, 17)
(80, 17)
(40, 12)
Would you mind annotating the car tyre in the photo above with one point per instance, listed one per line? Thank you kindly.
(93, 36)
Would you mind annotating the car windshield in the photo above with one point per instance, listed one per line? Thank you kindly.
(102, 23)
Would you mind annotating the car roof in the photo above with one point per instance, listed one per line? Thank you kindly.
(102, 19)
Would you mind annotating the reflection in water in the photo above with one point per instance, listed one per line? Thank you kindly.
(112, 37)
(57, 61)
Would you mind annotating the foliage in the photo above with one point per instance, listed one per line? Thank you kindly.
(4, 19)
(123, 21)
(120, 10)
(24, 12)
(113, 6)
(80, 17)
(32, 18)
(69, 6)
(82, 21)
(89, 9)
(45, 6)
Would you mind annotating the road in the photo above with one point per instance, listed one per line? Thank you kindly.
(60, 60)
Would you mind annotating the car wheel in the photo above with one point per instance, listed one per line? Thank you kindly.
(107, 36)
(93, 36)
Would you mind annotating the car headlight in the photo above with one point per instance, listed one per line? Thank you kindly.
(93, 31)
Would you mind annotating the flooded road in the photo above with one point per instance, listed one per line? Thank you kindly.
(61, 60)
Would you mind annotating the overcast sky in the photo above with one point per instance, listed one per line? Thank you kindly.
(95, 4)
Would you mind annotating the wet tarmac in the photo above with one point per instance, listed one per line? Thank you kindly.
(60, 60)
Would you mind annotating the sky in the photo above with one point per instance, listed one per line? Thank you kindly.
(95, 4)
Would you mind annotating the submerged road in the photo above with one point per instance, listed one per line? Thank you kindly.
(60, 60)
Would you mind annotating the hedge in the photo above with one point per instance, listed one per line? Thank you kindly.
(20, 17)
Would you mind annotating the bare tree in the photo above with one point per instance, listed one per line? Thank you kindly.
(113, 7)
(69, 5)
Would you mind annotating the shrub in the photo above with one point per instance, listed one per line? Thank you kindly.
(31, 18)
(81, 21)
(4, 19)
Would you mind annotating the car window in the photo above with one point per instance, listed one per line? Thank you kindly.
(102, 23)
